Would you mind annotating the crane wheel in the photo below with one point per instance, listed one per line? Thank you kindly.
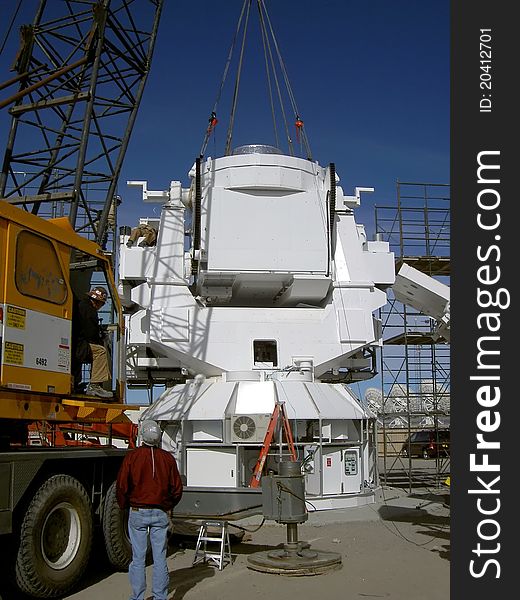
(55, 538)
(115, 532)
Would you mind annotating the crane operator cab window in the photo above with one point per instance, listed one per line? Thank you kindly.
(38, 270)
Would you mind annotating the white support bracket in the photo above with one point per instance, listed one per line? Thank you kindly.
(148, 195)
(355, 201)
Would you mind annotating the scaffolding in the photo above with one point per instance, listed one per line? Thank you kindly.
(415, 363)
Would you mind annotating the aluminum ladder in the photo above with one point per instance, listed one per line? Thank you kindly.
(215, 533)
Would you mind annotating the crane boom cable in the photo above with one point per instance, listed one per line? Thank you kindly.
(10, 27)
(227, 151)
(286, 78)
(265, 43)
(280, 60)
(273, 64)
(275, 76)
(224, 76)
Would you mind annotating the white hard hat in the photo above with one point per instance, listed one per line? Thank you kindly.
(150, 432)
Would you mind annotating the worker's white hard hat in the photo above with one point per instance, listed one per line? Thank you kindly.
(150, 432)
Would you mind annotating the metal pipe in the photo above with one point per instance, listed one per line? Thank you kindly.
(292, 535)
(38, 84)
(21, 76)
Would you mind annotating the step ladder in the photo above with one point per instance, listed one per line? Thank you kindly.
(278, 413)
(216, 535)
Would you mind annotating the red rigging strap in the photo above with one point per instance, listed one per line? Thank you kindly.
(299, 126)
(212, 122)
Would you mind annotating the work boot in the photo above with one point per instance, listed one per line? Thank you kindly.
(80, 388)
(94, 389)
(130, 243)
(142, 244)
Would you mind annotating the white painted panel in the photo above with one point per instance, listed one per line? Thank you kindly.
(36, 340)
(422, 292)
(255, 397)
(332, 467)
(211, 467)
(175, 324)
(265, 177)
(136, 262)
(207, 431)
(355, 325)
(256, 232)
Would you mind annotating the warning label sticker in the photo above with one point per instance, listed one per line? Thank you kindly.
(15, 317)
(63, 357)
(13, 353)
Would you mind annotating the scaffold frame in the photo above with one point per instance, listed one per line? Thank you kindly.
(414, 364)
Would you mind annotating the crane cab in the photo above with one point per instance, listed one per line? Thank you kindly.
(45, 265)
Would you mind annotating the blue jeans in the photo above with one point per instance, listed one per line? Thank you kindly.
(142, 522)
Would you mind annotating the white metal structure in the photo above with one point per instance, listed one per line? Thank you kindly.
(274, 299)
(426, 294)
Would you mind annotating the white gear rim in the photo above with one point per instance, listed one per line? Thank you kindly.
(61, 536)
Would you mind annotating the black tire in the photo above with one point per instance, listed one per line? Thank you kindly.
(115, 532)
(55, 538)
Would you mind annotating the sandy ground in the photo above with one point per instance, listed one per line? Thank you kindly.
(398, 548)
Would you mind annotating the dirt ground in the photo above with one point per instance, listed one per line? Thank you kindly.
(397, 548)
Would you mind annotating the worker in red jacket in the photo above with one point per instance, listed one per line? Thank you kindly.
(149, 484)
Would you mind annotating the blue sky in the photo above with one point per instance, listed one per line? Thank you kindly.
(371, 80)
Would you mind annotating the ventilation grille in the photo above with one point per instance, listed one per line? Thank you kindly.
(249, 428)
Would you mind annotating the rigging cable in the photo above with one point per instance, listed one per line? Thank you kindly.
(268, 38)
(223, 81)
(287, 84)
(273, 67)
(8, 32)
(265, 43)
(227, 151)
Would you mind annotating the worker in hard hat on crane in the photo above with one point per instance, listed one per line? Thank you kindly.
(88, 342)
